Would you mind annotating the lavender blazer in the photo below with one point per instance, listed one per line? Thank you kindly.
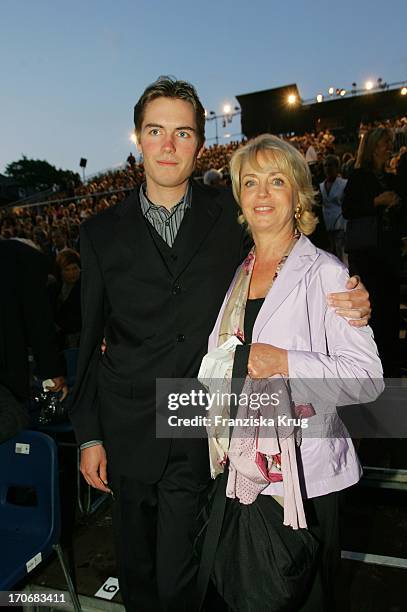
(330, 362)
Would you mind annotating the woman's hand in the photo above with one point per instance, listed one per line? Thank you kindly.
(387, 198)
(265, 360)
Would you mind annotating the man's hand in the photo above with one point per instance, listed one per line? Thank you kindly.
(265, 360)
(93, 467)
(354, 304)
(59, 385)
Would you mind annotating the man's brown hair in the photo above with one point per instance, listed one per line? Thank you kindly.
(168, 87)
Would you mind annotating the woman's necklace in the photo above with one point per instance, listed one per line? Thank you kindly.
(283, 260)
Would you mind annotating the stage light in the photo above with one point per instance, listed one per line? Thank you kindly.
(342, 92)
(369, 85)
(133, 138)
(320, 97)
(227, 108)
(206, 113)
(404, 91)
(292, 99)
(331, 91)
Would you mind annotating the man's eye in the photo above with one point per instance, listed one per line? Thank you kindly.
(154, 131)
(183, 134)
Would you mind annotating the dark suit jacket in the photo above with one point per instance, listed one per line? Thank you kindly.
(25, 317)
(156, 307)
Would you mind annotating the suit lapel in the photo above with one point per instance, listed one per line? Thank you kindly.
(203, 214)
(133, 232)
(131, 229)
(298, 263)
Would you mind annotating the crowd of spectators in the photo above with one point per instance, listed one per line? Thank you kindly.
(53, 227)
(44, 225)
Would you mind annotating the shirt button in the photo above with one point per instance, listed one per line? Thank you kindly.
(176, 290)
(180, 338)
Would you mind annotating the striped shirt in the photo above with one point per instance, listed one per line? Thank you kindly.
(165, 222)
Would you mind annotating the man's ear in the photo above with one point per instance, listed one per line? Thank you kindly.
(136, 140)
(201, 150)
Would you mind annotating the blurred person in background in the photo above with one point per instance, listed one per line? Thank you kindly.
(212, 177)
(348, 162)
(25, 327)
(373, 207)
(65, 295)
(332, 193)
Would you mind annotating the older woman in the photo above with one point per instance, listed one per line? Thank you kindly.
(277, 307)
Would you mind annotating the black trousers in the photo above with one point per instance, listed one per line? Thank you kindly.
(154, 528)
(322, 515)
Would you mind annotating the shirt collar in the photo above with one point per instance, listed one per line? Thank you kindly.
(147, 205)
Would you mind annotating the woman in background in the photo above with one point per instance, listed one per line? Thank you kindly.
(373, 207)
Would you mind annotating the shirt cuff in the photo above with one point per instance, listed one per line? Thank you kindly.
(91, 443)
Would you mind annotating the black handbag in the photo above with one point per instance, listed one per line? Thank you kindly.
(256, 563)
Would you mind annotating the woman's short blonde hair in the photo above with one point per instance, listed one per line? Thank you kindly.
(286, 159)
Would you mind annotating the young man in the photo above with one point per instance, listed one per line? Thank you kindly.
(155, 271)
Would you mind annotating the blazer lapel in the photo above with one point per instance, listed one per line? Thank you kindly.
(133, 233)
(131, 228)
(323, 190)
(204, 212)
(298, 263)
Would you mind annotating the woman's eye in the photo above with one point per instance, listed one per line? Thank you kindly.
(278, 181)
(249, 183)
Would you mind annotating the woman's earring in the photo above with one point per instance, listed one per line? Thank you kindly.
(298, 212)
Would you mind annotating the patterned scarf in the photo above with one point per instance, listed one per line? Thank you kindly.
(233, 317)
(257, 456)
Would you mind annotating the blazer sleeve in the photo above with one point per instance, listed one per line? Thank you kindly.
(84, 411)
(349, 371)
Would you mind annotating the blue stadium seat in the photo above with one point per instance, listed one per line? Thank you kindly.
(29, 508)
